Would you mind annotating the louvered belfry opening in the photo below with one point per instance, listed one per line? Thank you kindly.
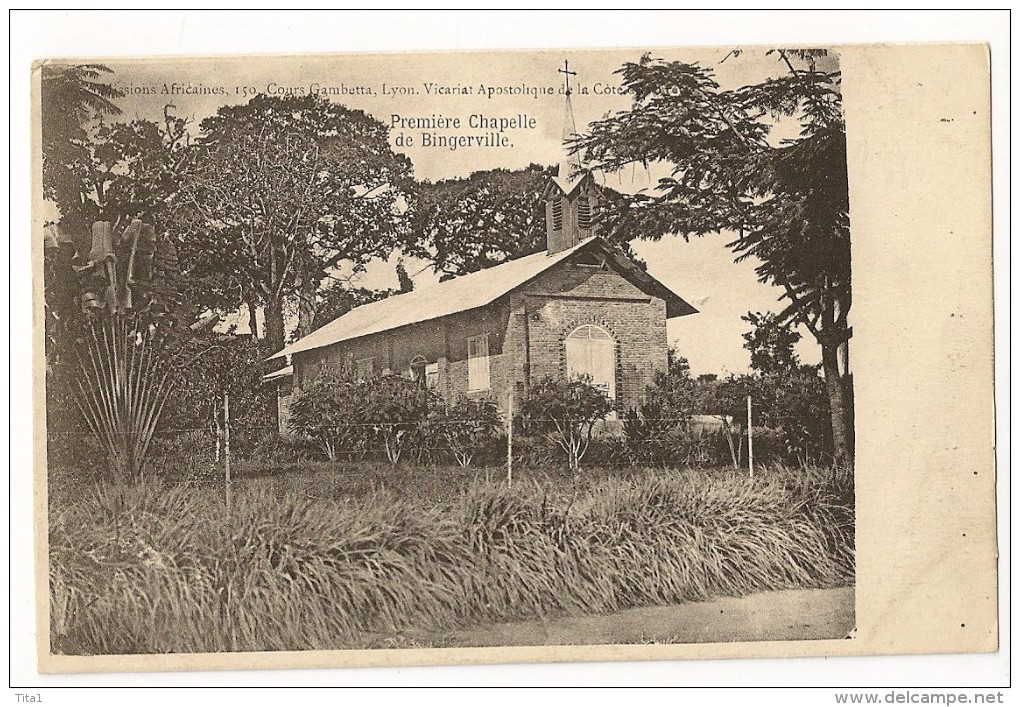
(571, 196)
(584, 215)
(570, 218)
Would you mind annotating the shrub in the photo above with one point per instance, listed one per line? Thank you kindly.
(726, 400)
(652, 442)
(566, 412)
(184, 456)
(346, 417)
(659, 432)
(222, 363)
(329, 412)
(467, 427)
(395, 408)
(797, 407)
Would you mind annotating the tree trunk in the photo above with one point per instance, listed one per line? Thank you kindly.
(306, 305)
(275, 335)
(253, 320)
(839, 388)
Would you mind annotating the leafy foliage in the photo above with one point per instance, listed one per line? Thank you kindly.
(790, 397)
(467, 425)
(71, 97)
(785, 199)
(346, 416)
(771, 343)
(467, 224)
(328, 411)
(797, 407)
(566, 412)
(218, 364)
(396, 407)
(659, 431)
(726, 400)
(116, 329)
(284, 191)
(792, 404)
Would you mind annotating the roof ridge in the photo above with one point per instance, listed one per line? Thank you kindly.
(361, 321)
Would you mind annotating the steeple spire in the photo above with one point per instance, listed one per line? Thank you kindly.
(570, 164)
(570, 170)
(571, 197)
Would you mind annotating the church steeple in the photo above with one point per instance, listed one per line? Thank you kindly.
(571, 196)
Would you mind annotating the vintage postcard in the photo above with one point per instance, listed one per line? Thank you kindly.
(604, 354)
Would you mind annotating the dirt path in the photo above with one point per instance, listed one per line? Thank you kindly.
(769, 616)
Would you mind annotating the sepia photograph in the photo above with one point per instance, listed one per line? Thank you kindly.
(384, 359)
(529, 349)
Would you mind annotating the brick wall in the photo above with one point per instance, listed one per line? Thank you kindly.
(443, 341)
(527, 330)
(571, 296)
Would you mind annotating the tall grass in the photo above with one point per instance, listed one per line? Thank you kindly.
(153, 569)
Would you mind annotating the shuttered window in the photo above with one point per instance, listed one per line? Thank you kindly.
(590, 353)
(363, 369)
(557, 215)
(478, 362)
(584, 213)
(432, 376)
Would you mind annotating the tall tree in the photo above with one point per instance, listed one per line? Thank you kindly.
(771, 343)
(785, 199)
(72, 97)
(466, 224)
(284, 191)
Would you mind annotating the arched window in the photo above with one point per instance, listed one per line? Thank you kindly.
(591, 352)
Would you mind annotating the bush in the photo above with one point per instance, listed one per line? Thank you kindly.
(566, 413)
(184, 456)
(347, 418)
(394, 409)
(797, 407)
(468, 428)
(659, 433)
(651, 442)
(223, 362)
(157, 569)
(328, 412)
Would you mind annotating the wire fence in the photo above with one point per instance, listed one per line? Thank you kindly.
(464, 443)
(214, 452)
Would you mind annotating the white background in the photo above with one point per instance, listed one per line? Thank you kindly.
(134, 33)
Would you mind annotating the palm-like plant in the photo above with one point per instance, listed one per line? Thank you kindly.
(72, 96)
(128, 340)
(122, 388)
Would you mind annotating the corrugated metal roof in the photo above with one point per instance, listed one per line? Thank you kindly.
(469, 291)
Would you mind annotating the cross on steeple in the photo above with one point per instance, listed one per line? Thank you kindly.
(567, 73)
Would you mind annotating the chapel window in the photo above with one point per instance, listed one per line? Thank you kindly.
(478, 363)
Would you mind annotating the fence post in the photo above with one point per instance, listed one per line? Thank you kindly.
(750, 440)
(226, 445)
(219, 430)
(510, 438)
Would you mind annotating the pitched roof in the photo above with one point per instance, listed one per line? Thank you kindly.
(462, 293)
(285, 372)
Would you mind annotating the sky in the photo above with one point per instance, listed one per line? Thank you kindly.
(430, 98)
